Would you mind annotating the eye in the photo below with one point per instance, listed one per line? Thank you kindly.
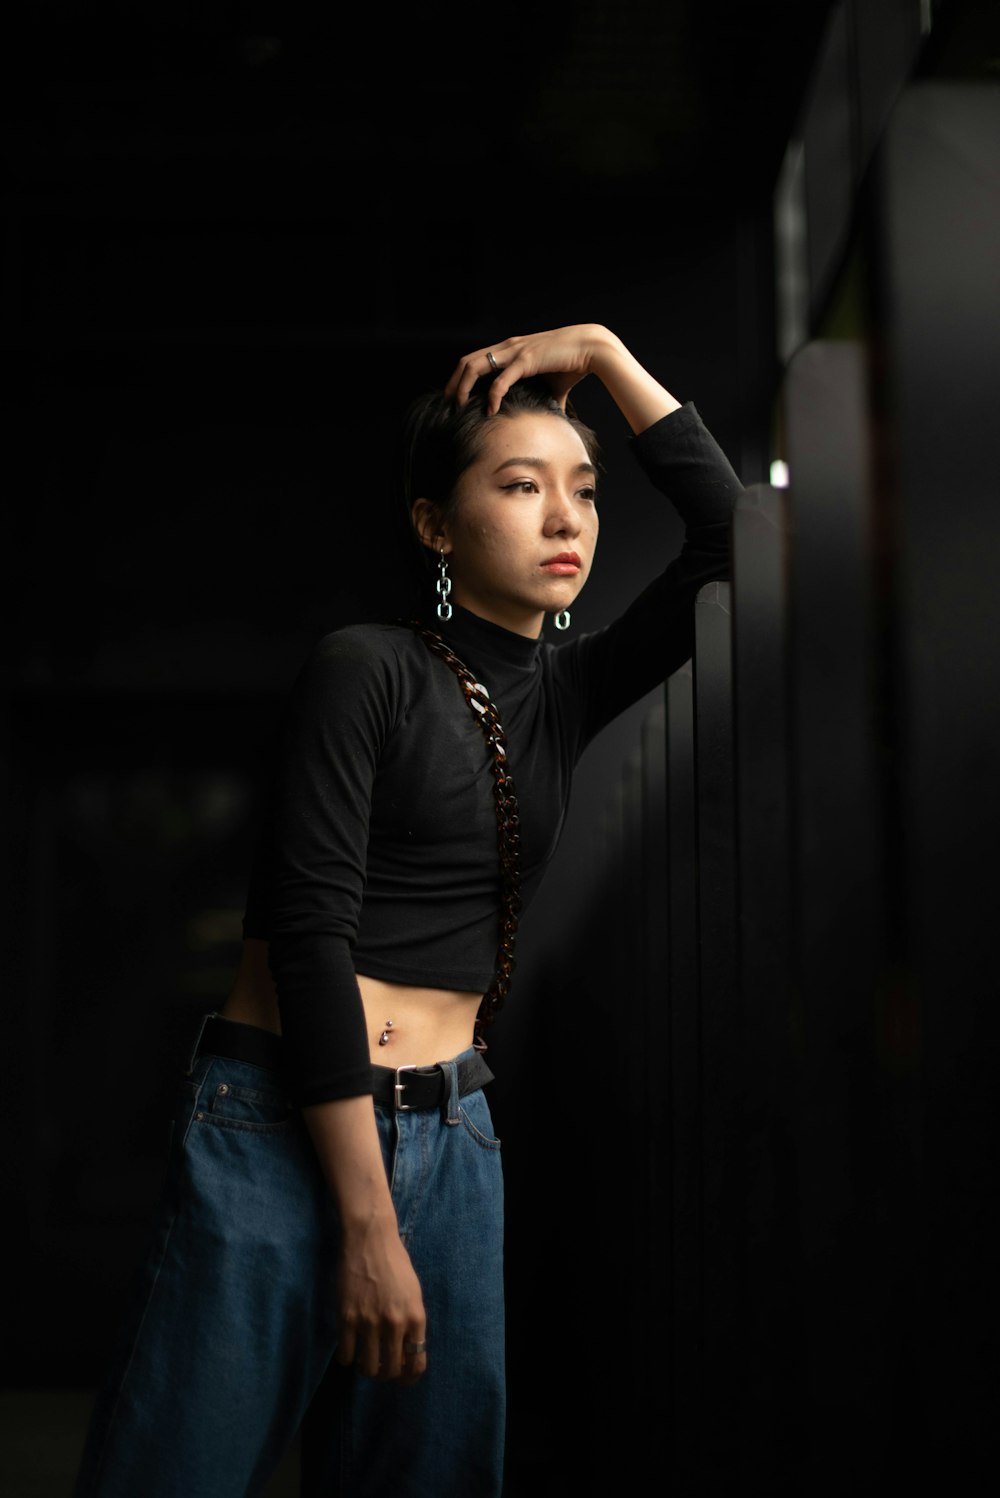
(588, 492)
(520, 486)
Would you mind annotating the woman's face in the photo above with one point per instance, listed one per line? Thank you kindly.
(520, 541)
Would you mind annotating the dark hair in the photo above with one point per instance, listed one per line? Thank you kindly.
(441, 440)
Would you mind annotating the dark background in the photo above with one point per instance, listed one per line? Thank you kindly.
(238, 238)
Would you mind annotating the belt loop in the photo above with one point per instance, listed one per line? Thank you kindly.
(449, 1103)
(197, 1041)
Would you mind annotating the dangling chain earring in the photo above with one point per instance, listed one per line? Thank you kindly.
(561, 620)
(443, 587)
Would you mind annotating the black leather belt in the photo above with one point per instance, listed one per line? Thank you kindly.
(401, 1088)
(404, 1088)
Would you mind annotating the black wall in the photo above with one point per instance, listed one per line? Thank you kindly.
(791, 1190)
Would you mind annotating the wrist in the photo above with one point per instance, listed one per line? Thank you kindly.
(607, 352)
(368, 1221)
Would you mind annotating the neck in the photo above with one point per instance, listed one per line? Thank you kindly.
(478, 639)
(527, 623)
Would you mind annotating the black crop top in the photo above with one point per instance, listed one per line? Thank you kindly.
(381, 854)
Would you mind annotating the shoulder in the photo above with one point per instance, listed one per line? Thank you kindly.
(364, 648)
(364, 641)
(373, 662)
(358, 662)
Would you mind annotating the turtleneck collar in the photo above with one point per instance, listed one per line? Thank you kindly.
(478, 641)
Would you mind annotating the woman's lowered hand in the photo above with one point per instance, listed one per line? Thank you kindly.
(383, 1327)
(380, 1307)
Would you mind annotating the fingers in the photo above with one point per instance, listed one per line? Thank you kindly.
(369, 1359)
(465, 374)
(394, 1350)
(508, 376)
(563, 355)
(347, 1345)
(475, 366)
(414, 1354)
(403, 1352)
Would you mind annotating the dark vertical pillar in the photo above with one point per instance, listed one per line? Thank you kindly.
(608, 1166)
(772, 1405)
(937, 204)
(682, 1160)
(838, 909)
(631, 989)
(721, 1038)
(653, 1037)
(828, 134)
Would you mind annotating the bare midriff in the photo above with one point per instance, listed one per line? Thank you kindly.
(427, 1024)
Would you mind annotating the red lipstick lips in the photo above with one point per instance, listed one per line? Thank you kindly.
(564, 565)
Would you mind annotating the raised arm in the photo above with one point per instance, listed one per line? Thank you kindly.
(566, 356)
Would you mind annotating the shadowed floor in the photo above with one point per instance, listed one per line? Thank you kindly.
(41, 1436)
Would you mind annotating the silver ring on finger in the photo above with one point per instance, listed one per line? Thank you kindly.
(492, 361)
(414, 1347)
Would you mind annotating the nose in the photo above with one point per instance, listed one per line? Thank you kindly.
(563, 519)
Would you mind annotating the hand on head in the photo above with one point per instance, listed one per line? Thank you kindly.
(562, 356)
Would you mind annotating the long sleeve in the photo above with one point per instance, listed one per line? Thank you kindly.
(340, 714)
(615, 666)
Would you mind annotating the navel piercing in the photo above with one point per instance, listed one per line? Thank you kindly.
(384, 1037)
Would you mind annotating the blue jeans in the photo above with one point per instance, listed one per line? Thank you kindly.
(234, 1320)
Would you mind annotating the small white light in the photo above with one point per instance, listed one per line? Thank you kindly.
(779, 474)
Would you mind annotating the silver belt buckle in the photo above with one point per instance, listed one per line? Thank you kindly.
(400, 1106)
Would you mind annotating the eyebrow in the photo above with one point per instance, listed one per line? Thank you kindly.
(541, 463)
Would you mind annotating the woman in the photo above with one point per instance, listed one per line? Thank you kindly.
(328, 1232)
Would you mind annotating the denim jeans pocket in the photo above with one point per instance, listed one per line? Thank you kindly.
(232, 1104)
(475, 1115)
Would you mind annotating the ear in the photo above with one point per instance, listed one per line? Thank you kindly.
(427, 525)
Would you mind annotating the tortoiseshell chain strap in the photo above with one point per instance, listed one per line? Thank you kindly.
(508, 834)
